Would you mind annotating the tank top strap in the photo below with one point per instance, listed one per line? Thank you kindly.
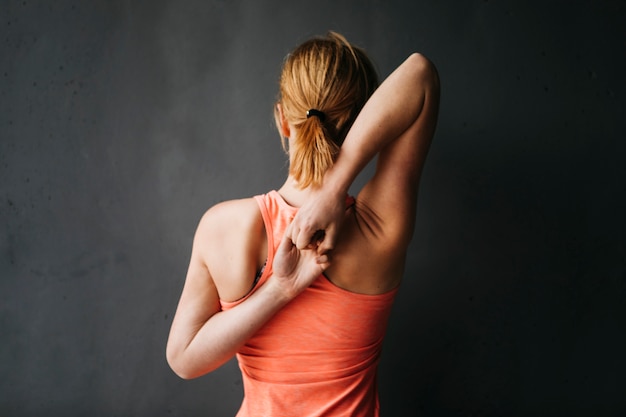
(350, 201)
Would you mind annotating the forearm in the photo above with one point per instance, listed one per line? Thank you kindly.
(194, 353)
(393, 108)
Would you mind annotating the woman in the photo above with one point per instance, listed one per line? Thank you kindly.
(299, 282)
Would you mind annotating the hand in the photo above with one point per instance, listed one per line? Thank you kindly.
(318, 221)
(294, 269)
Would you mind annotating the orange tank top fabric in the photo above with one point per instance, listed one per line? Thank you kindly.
(317, 357)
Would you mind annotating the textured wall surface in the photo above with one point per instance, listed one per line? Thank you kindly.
(121, 122)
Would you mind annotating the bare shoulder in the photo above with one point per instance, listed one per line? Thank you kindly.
(230, 213)
(231, 238)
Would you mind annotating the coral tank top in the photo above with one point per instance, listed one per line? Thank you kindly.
(318, 355)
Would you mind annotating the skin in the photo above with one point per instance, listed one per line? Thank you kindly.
(363, 249)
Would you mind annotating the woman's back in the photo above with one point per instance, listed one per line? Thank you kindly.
(323, 346)
(306, 314)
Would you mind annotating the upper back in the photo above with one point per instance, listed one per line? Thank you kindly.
(365, 260)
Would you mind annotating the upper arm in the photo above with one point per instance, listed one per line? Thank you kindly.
(392, 192)
(199, 300)
(223, 261)
(227, 249)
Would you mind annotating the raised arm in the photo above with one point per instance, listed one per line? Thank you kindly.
(398, 123)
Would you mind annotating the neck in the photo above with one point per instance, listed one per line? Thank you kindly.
(293, 195)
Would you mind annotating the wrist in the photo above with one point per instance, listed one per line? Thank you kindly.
(277, 291)
(336, 182)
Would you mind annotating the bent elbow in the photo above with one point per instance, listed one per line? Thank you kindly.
(179, 371)
(187, 366)
(424, 69)
(176, 364)
(183, 375)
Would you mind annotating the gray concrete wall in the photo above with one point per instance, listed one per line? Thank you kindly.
(121, 122)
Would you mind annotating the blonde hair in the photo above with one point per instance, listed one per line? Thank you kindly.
(330, 75)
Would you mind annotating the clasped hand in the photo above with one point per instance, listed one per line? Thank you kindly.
(317, 222)
(303, 253)
(295, 269)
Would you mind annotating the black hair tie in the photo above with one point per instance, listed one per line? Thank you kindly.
(313, 112)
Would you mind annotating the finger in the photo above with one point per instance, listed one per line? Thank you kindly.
(286, 243)
(292, 231)
(303, 239)
(315, 240)
(328, 242)
(323, 261)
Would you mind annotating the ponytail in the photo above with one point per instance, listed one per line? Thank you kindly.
(312, 154)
